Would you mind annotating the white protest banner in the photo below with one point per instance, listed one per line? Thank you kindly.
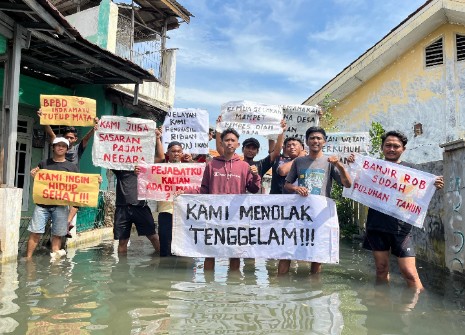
(299, 118)
(256, 226)
(391, 188)
(189, 127)
(121, 143)
(160, 181)
(344, 144)
(251, 118)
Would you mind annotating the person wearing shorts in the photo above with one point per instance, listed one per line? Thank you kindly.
(60, 216)
(130, 210)
(386, 234)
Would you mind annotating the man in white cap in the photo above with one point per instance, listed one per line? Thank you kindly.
(60, 215)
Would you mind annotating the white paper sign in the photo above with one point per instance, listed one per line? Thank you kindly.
(121, 143)
(251, 118)
(299, 118)
(256, 226)
(390, 188)
(344, 144)
(189, 127)
(160, 181)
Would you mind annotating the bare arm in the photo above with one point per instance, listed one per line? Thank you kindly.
(159, 152)
(279, 143)
(72, 212)
(345, 177)
(47, 128)
(219, 147)
(284, 168)
(87, 136)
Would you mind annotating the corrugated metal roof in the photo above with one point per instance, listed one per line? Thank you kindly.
(56, 50)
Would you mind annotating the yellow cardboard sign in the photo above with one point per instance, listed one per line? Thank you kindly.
(65, 188)
(67, 110)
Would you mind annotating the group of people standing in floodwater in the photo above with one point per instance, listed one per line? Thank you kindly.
(294, 171)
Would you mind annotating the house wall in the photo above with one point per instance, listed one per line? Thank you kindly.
(29, 102)
(3, 45)
(406, 93)
(97, 24)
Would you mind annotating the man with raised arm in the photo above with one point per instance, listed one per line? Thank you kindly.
(130, 210)
(251, 147)
(314, 173)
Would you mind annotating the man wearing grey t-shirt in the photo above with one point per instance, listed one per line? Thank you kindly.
(314, 173)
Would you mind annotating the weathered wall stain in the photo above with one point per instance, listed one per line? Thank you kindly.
(430, 241)
(454, 226)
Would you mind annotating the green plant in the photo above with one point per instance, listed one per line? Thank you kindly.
(344, 206)
(327, 119)
(345, 212)
(375, 132)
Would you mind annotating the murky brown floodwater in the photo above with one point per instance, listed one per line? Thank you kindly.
(92, 291)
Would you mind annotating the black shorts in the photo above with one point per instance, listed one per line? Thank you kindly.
(400, 245)
(125, 216)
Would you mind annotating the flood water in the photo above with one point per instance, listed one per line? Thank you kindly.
(93, 291)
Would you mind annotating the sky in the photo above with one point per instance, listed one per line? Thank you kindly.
(273, 51)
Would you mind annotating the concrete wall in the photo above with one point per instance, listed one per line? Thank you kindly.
(430, 242)
(442, 241)
(454, 211)
(10, 214)
(405, 92)
(98, 24)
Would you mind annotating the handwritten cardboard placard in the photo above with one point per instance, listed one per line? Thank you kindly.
(160, 181)
(256, 226)
(189, 127)
(345, 144)
(251, 118)
(121, 143)
(390, 188)
(299, 118)
(65, 188)
(67, 110)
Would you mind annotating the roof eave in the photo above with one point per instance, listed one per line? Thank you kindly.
(426, 19)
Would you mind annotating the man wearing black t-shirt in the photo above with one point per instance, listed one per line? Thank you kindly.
(130, 210)
(60, 215)
(293, 148)
(385, 233)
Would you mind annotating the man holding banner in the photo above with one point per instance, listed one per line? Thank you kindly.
(61, 215)
(385, 233)
(75, 150)
(227, 174)
(314, 174)
(129, 209)
(165, 208)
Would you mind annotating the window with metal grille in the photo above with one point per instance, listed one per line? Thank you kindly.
(460, 47)
(434, 54)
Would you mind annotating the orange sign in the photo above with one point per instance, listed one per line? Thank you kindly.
(65, 188)
(67, 110)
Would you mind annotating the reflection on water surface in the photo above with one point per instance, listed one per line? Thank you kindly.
(93, 291)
